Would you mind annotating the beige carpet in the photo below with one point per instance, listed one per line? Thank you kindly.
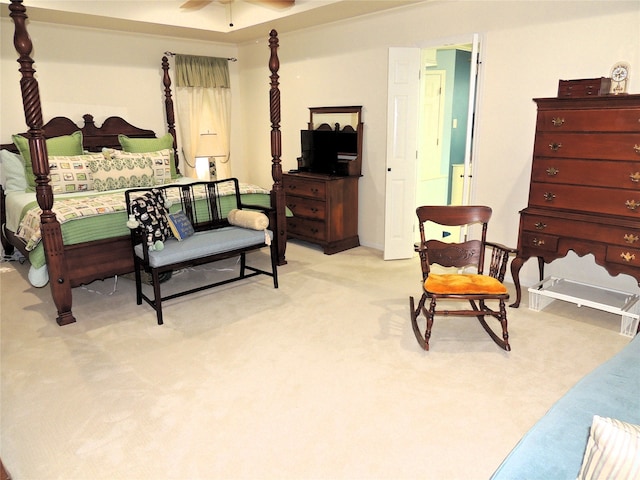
(320, 379)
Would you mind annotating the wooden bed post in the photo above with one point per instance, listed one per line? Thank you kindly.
(168, 109)
(50, 228)
(277, 192)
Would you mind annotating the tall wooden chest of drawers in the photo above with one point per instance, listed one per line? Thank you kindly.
(325, 209)
(585, 185)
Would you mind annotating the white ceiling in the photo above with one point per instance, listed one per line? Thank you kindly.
(251, 19)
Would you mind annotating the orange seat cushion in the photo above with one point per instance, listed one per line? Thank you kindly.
(459, 284)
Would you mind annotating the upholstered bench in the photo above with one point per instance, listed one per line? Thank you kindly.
(175, 226)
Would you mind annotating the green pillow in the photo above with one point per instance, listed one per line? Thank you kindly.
(145, 145)
(64, 145)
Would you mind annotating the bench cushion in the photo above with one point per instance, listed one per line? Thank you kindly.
(203, 244)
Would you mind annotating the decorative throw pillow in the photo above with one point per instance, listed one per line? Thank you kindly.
(116, 169)
(71, 173)
(613, 450)
(248, 219)
(159, 161)
(63, 145)
(12, 174)
(180, 225)
(151, 214)
(144, 145)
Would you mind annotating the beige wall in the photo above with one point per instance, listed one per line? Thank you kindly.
(526, 47)
(82, 70)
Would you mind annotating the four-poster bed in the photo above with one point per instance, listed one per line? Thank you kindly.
(70, 265)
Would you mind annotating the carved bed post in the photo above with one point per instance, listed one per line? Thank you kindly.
(168, 108)
(277, 192)
(50, 228)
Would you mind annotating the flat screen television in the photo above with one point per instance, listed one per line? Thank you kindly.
(327, 151)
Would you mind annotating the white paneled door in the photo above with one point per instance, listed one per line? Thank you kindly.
(402, 128)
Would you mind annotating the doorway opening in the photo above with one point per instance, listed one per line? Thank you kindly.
(444, 117)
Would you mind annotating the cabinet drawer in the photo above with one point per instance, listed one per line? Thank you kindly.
(306, 207)
(587, 172)
(304, 186)
(540, 241)
(584, 230)
(304, 227)
(587, 199)
(610, 146)
(623, 256)
(605, 120)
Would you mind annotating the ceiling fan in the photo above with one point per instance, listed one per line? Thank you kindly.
(198, 4)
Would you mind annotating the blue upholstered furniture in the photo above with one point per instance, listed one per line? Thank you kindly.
(554, 447)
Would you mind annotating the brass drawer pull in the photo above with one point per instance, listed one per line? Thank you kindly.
(630, 238)
(631, 204)
(555, 146)
(635, 177)
(548, 196)
(551, 171)
(636, 148)
(537, 242)
(557, 121)
(628, 257)
(540, 226)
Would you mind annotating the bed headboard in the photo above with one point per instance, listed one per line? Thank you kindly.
(93, 138)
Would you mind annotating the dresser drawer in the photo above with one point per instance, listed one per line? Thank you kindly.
(586, 199)
(306, 228)
(610, 146)
(605, 120)
(616, 174)
(623, 256)
(306, 207)
(304, 186)
(585, 230)
(539, 241)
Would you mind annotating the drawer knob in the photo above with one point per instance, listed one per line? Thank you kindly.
(557, 121)
(631, 204)
(540, 226)
(537, 242)
(314, 190)
(314, 210)
(627, 256)
(636, 148)
(635, 177)
(630, 238)
(551, 171)
(555, 146)
(548, 196)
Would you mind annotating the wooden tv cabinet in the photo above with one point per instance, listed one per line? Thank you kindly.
(585, 185)
(325, 209)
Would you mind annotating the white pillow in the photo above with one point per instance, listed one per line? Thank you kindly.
(613, 451)
(12, 173)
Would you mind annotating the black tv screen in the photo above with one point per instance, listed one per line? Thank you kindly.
(320, 149)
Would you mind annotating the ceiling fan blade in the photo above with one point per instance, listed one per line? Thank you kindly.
(275, 3)
(195, 4)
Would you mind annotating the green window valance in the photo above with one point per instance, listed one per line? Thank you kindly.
(197, 71)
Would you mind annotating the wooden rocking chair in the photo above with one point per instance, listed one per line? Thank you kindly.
(476, 288)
